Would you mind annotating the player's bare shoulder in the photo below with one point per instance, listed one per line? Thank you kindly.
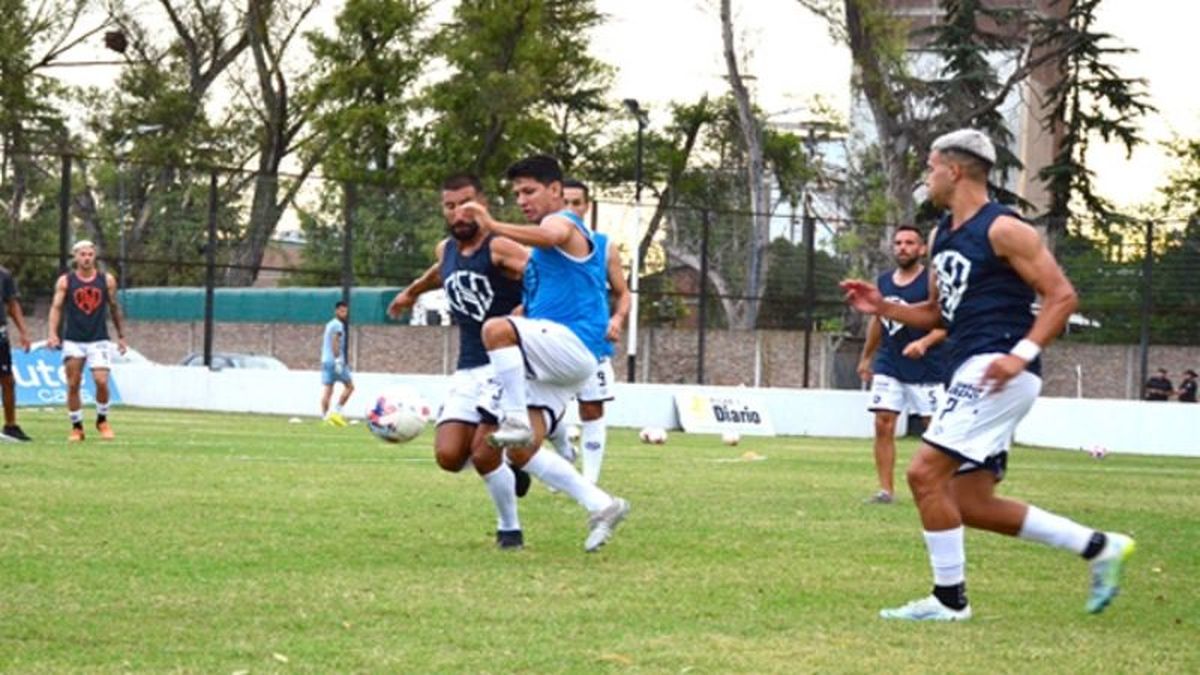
(1011, 236)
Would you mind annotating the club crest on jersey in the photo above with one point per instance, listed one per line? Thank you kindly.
(470, 294)
(953, 275)
(890, 325)
(88, 299)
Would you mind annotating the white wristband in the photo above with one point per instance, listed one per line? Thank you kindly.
(1026, 349)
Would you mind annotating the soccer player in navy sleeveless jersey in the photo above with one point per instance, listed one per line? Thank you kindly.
(987, 267)
(482, 276)
(903, 365)
(543, 357)
(86, 298)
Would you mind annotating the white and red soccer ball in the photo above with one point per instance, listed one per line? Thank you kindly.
(398, 415)
(653, 435)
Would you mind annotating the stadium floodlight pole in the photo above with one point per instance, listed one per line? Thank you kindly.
(639, 114)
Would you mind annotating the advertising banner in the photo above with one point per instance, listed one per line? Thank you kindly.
(745, 413)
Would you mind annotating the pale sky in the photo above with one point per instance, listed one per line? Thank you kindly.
(670, 50)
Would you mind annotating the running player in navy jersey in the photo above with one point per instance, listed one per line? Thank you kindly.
(903, 365)
(987, 267)
(556, 344)
(86, 298)
(482, 276)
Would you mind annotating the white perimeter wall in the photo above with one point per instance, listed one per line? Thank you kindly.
(1136, 427)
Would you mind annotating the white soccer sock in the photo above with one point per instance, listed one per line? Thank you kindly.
(1054, 530)
(501, 484)
(593, 438)
(509, 365)
(337, 408)
(558, 438)
(947, 556)
(76, 416)
(556, 472)
(101, 408)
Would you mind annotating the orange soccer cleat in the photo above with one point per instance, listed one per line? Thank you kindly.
(76, 434)
(105, 430)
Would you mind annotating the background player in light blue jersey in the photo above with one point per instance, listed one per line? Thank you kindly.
(334, 367)
(555, 347)
(987, 266)
(902, 364)
(598, 389)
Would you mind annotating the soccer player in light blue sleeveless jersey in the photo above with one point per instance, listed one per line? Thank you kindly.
(988, 265)
(556, 345)
(598, 390)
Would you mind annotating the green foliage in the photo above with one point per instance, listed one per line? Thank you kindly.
(520, 76)
(784, 299)
(1092, 99)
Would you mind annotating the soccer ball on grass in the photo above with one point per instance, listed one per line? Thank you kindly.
(398, 415)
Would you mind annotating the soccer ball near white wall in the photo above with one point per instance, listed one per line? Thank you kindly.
(653, 435)
(398, 415)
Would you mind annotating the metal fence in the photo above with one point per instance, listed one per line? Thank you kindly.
(215, 227)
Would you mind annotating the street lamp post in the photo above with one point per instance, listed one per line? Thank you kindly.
(639, 114)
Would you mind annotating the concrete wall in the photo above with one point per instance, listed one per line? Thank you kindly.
(768, 358)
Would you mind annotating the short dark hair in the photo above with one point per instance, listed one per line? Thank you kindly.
(459, 181)
(542, 168)
(579, 185)
(910, 228)
(339, 304)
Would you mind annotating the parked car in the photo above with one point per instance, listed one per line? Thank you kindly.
(222, 360)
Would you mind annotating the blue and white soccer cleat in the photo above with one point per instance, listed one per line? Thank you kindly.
(1106, 571)
(928, 608)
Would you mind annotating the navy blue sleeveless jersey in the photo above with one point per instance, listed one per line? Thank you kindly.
(890, 359)
(477, 290)
(986, 306)
(87, 308)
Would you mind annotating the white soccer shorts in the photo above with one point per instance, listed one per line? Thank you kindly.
(557, 364)
(975, 424)
(891, 395)
(97, 355)
(598, 387)
(470, 389)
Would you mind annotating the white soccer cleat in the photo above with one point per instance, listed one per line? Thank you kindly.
(514, 432)
(1106, 571)
(604, 522)
(928, 608)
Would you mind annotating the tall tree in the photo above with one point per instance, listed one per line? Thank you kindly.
(755, 166)
(516, 71)
(1089, 99)
(272, 27)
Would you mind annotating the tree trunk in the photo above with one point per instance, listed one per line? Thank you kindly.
(760, 198)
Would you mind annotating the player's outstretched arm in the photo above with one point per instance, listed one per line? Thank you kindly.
(866, 298)
(510, 257)
(551, 232)
(428, 281)
(18, 317)
(56, 309)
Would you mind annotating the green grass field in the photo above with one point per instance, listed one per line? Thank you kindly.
(236, 543)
